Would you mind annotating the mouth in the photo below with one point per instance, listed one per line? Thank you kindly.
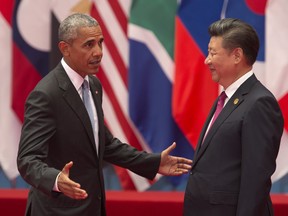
(212, 70)
(95, 62)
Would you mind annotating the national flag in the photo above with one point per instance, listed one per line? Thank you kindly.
(194, 91)
(276, 70)
(152, 74)
(9, 123)
(113, 19)
(30, 49)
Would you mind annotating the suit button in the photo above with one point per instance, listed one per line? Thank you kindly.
(99, 197)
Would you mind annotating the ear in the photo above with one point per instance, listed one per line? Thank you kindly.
(64, 48)
(238, 55)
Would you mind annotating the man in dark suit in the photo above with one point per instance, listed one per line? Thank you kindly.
(59, 132)
(236, 153)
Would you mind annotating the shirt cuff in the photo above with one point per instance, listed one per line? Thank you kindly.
(55, 187)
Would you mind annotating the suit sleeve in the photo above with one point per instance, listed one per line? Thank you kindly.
(37, 133)
(124, 155)
(261, 134)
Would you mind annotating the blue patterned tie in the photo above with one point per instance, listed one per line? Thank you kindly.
(87, 102)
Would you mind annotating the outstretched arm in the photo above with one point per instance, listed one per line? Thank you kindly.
(172, 165)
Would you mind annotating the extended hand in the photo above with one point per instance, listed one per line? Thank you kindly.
(69, 187)
(171, 165)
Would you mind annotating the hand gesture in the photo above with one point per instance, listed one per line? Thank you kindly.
(69, 187)
(171, 165)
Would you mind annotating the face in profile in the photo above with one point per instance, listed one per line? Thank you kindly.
(84, 53)
(220, 62)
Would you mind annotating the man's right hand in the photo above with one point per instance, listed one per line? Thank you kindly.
(69, 187)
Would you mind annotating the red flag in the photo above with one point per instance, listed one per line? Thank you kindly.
(10, 126)
(193, 91)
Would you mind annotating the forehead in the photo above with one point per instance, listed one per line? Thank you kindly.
(93, 32)
(215, 42)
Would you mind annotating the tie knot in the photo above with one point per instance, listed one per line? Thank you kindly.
(222, 98)
(85, 84)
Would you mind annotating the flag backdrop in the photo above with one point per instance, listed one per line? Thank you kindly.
(157, 89)
(10, 125)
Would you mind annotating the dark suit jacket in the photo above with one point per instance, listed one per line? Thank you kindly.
(57, 130)
(231, 170)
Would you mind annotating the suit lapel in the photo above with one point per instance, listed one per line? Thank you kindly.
(227, 110)
(74, 101)
(237, 98)
(97, 97)
(203, 132)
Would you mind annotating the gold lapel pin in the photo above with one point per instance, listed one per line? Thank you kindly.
(236, 101)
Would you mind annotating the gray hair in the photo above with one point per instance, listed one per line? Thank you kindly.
(237, 33)
(68, 29)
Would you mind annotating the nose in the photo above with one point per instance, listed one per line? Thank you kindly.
(97, 51)
(207, 60)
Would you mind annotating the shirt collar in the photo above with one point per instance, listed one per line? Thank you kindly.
(75, 78)
(234, 86)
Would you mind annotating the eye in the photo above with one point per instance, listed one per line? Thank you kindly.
(211, 53)
(100, 43)
(89, 44)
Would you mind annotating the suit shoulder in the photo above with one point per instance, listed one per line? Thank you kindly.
(260, 91)
(49, 84)
(95, 81)
(46, 82)
(261, 99)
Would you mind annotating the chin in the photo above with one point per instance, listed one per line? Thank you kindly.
(215, 78)
(93, 72)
